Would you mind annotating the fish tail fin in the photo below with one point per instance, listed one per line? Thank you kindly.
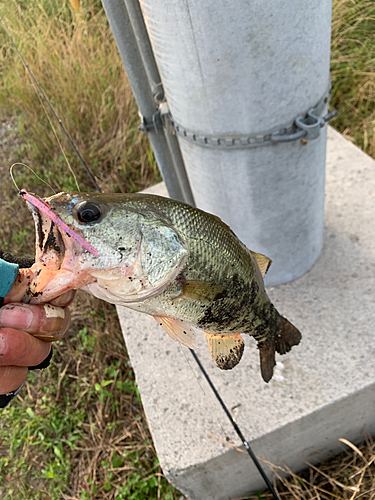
(287, 338)
(267, 359)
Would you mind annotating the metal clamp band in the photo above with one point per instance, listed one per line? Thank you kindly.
(306, 126)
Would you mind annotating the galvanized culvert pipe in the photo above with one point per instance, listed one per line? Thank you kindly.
(247, 85)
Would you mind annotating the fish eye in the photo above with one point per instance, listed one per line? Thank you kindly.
(88, 212)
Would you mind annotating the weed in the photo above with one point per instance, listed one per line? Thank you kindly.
(76, 62)
(80, 431)
(353, 71)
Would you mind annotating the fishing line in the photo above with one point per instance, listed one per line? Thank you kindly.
(56, 137)
(59, 222)
(33, 171)
(52, 110)
(191, 368)
(236, 428)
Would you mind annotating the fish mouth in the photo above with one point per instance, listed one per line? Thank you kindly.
(55, 255)
(49, 244)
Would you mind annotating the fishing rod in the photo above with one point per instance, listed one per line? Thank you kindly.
(205, 374)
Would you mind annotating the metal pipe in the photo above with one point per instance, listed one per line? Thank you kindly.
(240, 70)
(145, 49)
(175, 150)
(145, 82)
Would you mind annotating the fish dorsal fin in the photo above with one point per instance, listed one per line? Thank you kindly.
(226, 350)
(178, 330)
(262, 261)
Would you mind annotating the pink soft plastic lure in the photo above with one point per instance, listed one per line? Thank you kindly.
(47, 211)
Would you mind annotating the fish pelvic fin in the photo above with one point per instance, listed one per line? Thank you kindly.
(267, 359)
(287, 338)
(178, 331)
(226, 350)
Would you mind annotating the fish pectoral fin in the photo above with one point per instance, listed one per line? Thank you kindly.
(262, 261)
(287, 338)
(226, 350)
(200, 290)
(178, 331)
(267, 359)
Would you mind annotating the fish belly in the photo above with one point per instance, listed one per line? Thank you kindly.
(236, 308)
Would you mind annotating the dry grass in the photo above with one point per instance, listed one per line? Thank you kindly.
(353, 71)
(349, 476)
(76, 62)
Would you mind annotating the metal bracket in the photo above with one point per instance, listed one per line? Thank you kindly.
(155, 123)
(309, 127)
(306, 126)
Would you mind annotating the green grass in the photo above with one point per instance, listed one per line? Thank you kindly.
(36, 434)
(79, 430)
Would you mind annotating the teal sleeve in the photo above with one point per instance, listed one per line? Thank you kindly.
(8, 273)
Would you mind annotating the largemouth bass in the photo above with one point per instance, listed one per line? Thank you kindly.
(181, 265)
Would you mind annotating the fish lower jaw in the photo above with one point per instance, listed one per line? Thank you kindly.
(48, 284)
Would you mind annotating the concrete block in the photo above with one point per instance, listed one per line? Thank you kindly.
(325, 387)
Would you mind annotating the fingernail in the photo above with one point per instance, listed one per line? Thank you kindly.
(54, 312)
(2, 345)
(19, 317)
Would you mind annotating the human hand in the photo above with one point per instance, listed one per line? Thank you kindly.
(22, 326)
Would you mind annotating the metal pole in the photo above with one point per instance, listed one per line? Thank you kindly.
(146, 84)
(236, 76)
(145, 49)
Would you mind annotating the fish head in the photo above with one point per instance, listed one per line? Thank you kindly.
(135, 252)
